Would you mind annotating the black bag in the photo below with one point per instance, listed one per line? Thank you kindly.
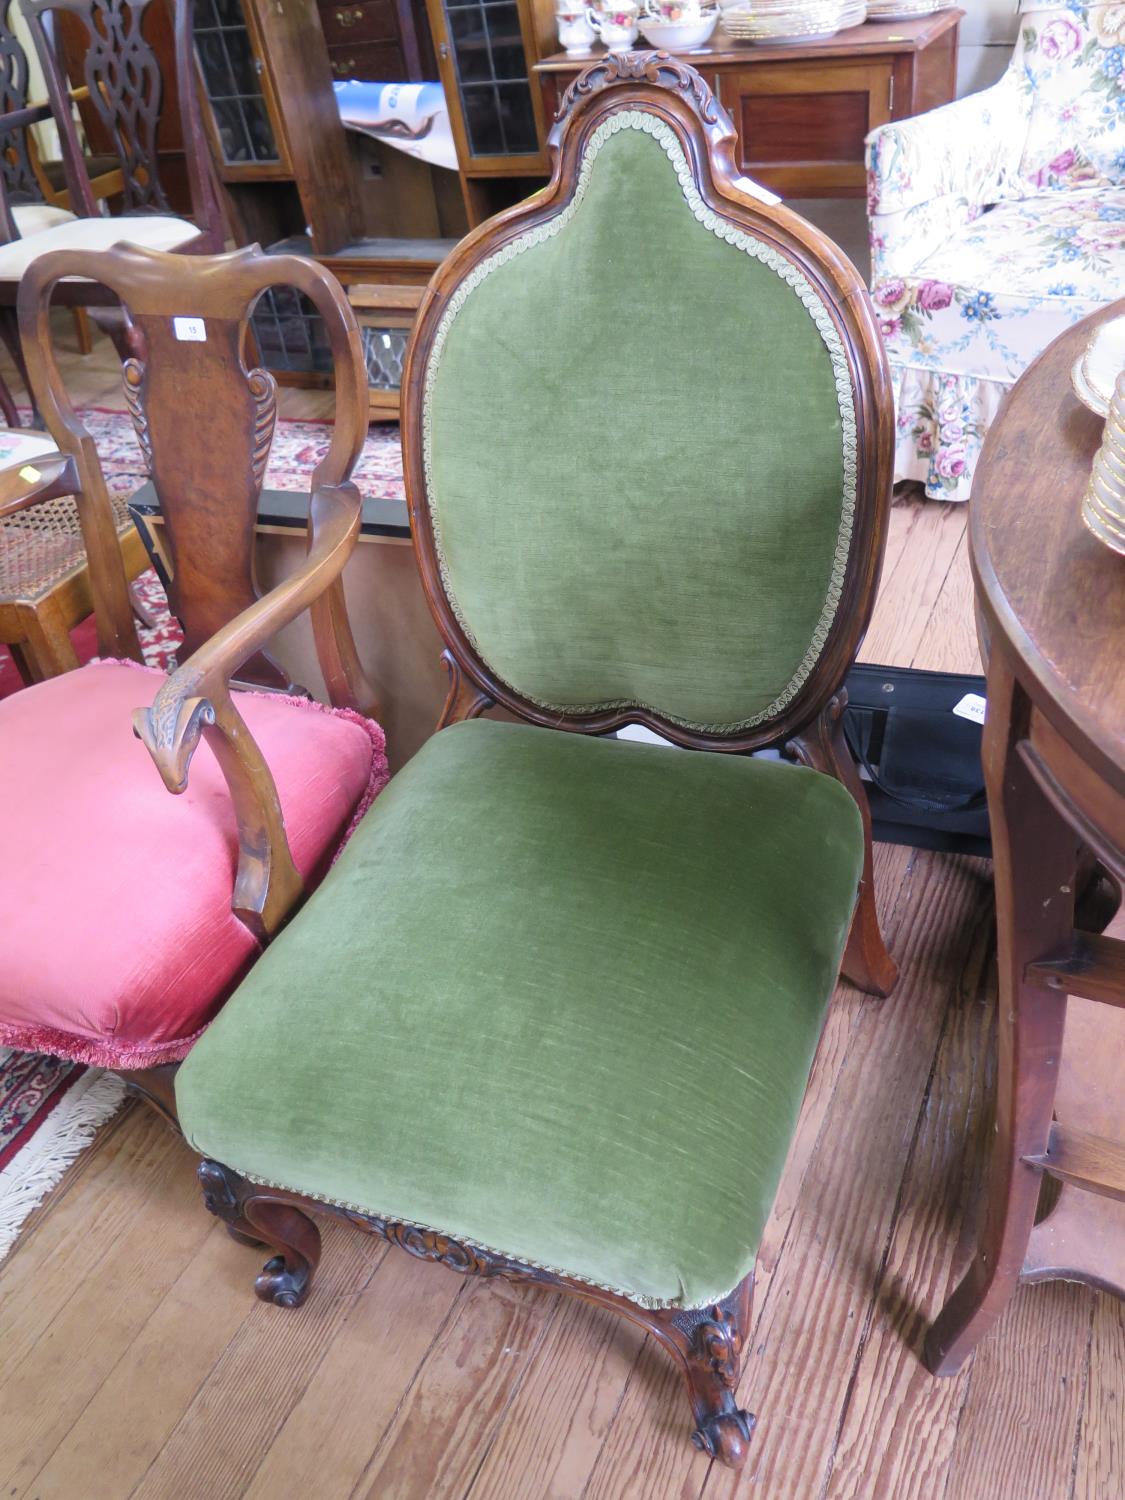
(920, 762)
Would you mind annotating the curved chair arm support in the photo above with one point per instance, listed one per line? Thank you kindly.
(48, 477)
(930, 175)
(195, 701)
(970, 149)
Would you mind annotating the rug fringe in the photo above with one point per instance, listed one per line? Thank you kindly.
(37, 1167)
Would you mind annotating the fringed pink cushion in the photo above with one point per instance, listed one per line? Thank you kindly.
(117, 940)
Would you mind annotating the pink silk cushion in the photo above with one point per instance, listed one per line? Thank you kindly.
(117, 940)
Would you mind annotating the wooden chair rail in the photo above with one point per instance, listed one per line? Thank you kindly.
(34, 114)
(31, 114)
(1094, 969)
(1091, 1162)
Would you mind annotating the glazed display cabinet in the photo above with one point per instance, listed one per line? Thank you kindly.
(486, 51)
(276, 137)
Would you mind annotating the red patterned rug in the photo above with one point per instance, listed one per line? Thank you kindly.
(297, 448)
(50, 1111)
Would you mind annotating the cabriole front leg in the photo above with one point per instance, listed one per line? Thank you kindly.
(708, 1343)
(254, 1217)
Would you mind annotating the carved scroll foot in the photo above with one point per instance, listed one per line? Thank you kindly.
(253, 1217)
(285, 1279)
(709, 1345)
(726, 1434)
(283, 1284)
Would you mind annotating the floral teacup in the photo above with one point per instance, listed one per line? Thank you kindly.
(615, 22)
(676, 12)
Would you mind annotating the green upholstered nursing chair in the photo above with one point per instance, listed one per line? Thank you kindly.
(552, 1014)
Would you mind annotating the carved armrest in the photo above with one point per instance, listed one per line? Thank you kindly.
(47, 477)
(196, 700)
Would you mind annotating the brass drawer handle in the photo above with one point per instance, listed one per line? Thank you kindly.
(350, 17)
(344, 69)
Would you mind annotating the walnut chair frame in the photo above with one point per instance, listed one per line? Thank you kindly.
(209, 496)
(706, 1342)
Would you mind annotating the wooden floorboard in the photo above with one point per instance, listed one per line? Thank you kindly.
(1099, 1456)
(136, 1362)
(900, 1424)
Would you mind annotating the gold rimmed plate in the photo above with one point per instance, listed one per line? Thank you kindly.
(1095, 374)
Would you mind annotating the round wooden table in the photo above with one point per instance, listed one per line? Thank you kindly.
(1051, 613)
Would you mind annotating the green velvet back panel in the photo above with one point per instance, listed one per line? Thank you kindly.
(639, 442)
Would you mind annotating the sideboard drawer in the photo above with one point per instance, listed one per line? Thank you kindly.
(347, 22)
(374, 62)
(801, 126)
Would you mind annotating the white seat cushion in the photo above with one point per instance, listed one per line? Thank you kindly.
(153, 231)
(33, 218)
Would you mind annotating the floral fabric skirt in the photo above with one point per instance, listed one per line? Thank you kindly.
(941, 420)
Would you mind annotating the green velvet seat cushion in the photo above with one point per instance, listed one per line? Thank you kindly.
(559, 997)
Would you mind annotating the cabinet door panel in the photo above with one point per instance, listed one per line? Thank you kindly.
(241, 117)
(485, 48)
(801, 127)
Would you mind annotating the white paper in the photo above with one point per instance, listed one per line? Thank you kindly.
(971, 706)
(190, 330)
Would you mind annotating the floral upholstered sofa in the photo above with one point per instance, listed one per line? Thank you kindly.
(996, 223)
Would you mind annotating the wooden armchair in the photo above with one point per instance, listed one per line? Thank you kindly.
(122, 84)
(560, 996)
(129, 914)
(35, 196)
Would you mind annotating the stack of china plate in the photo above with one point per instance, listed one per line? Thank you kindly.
(904, 10)
(784, 20)
(853, 14)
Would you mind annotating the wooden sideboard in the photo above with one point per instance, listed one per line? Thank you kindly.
(802, 113)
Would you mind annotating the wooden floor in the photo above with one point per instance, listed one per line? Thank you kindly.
(135, 1361)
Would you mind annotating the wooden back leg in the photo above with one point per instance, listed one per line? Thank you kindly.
(823, 746)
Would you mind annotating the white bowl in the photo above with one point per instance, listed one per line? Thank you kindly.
(678, 36)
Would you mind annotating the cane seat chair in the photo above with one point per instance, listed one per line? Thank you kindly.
(561, 994)
(45, 583)
(130, 914)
